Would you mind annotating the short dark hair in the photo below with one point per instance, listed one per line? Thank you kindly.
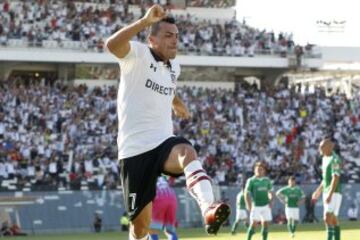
(154, 29)
(292, 178)
(260, 164)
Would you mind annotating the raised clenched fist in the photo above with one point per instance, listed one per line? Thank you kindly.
(154, 14)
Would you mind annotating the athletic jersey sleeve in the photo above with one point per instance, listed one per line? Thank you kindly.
(335, 166)
(281, 191)
(270, 185)
(249, 186)
(135, 55)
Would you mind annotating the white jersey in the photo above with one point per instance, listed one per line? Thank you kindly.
(146, 91)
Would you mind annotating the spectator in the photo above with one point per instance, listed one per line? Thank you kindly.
(280, 217)
(60, 29)
(352, 212)
(5, 229)
(124, 222)
(97, 222)
(61, 136)
(212, 4)
(16, 231)
(310, 211)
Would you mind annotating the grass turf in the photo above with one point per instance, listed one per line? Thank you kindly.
(349, 231)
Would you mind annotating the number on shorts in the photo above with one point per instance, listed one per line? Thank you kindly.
(133, 199)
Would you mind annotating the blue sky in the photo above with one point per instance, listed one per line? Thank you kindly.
(300, 17)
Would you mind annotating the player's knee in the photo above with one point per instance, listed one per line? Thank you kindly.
(333, 220)
(328, 219)
(188, 152)
(265, 224)
(253, 224)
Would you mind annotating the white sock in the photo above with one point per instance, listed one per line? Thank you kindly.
(199, 185)
(147, 237)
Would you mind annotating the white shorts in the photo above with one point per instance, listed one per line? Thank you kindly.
(334, 205)
(261, 214)
(292, 213)
(241, 214)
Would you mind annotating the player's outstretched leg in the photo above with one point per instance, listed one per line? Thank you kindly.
(199, 186)
(183, 157)
(215, 215)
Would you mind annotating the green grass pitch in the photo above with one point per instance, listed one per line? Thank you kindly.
(349, 231)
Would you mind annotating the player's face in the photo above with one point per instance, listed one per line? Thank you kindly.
(259, 171)
(326, 148)
(291, 182)
(166, 40)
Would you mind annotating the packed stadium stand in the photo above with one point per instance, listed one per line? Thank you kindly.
(253, 95)
(48, 130)
(61, 136)
(85, 26)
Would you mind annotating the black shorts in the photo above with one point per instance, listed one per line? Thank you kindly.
(139, 175)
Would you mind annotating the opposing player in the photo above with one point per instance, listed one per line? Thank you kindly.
(258, 197)
(241, 214)
(331, 188)
(164, 211)
(291, 196)
(147, 146)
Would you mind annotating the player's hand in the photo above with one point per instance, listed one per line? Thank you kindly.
(315, 196)
(154, 14)
(181, 111)
(328, 198)
(248, 208)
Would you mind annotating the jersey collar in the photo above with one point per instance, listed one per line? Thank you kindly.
(328, 158)
(260, 178)
(159, 59)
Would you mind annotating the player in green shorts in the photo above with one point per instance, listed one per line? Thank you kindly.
(292, 196)
(258, 197)
(331, 188)
(241, 214)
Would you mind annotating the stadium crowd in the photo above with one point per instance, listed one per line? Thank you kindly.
(189, 3)
(212, 4)
(84, 25)
(64, 135)
(234, 129)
